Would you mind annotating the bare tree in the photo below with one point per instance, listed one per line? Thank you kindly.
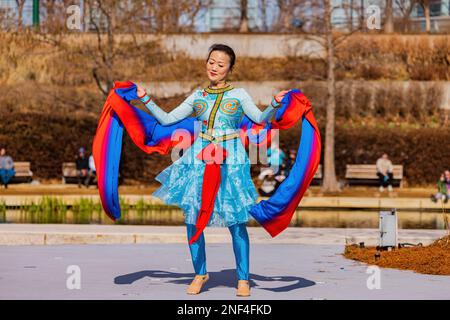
(118, 30)
(330, 183)
(405, 8)
(20, 4)
(104, 56)
(426, 9)
(287, 9)
(55, 15)
(243, 23)
(7, 19)
(324, 32)
(169, 16)
(389, 17)
(361, 15)
(263, 9)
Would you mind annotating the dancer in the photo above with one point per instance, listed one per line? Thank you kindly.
(211, 181)
(219, 107)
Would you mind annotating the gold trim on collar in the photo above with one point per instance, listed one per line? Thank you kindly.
(219, 90)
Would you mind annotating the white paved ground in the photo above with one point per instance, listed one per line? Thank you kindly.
(162, 271)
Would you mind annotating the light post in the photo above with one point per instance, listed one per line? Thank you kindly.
(36, 13)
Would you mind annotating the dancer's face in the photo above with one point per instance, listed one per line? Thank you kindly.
(217, 66)
(2, 152)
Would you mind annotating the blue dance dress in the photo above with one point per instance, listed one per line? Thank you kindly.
(220, 112)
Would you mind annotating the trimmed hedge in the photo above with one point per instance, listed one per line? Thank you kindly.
(47, 141)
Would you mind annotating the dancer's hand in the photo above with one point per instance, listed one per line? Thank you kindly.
(140, 91)
(279, 96)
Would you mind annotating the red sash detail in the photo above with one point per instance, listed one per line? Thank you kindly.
(213, 155)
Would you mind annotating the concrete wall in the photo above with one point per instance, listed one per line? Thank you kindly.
(246, 45)
(263, 45)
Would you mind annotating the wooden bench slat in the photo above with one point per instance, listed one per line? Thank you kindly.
(23, 172)
(69, 173)
(69, 169)
(368, 172)
(23, 168)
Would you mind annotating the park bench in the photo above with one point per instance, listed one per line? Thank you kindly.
(366, 174)
(317, 179)
(23, 172)
(69, 173)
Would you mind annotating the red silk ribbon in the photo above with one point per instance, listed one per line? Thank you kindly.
(213, 155)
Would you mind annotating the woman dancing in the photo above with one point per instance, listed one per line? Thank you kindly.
(219, 107)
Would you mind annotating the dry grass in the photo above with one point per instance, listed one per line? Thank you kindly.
(432, 259)
(23, 58)
(395, 57)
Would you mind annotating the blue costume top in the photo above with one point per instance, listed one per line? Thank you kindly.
(274, 214)
(220, 112)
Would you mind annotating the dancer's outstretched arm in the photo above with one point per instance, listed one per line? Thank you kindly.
(252, 111)
(181, 112)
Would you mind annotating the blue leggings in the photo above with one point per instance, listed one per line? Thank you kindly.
(6, 175)
(241, 250)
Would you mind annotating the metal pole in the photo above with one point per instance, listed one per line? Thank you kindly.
(36, 13)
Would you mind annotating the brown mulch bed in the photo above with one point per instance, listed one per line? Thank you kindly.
(431, 259)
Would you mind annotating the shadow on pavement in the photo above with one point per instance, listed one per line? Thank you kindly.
(224, 278)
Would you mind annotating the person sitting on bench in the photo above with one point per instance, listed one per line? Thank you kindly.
(385, 172)
(82, 164)
(268, 186)
(6, 168)
(443, 188)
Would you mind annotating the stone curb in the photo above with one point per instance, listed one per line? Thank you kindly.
(27, 234)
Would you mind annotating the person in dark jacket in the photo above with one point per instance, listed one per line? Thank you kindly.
(82, 164)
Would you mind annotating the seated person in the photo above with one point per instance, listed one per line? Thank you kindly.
(269, 183)
(276, 157)
(6, 168)
(443, 186)
(82, 164)
(92, 171)
(280, 177)
(290, 161)
(385, 172)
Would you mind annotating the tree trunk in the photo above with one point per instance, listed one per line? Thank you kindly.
(351, 16)
(20, 4)
(330, 183)
(283, 23)
(264, 16)
(361, 16)
(389, 23)
(243, 25)
(426, 8)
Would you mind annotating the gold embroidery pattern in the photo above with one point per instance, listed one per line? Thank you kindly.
(229, 106)
(200, 107)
